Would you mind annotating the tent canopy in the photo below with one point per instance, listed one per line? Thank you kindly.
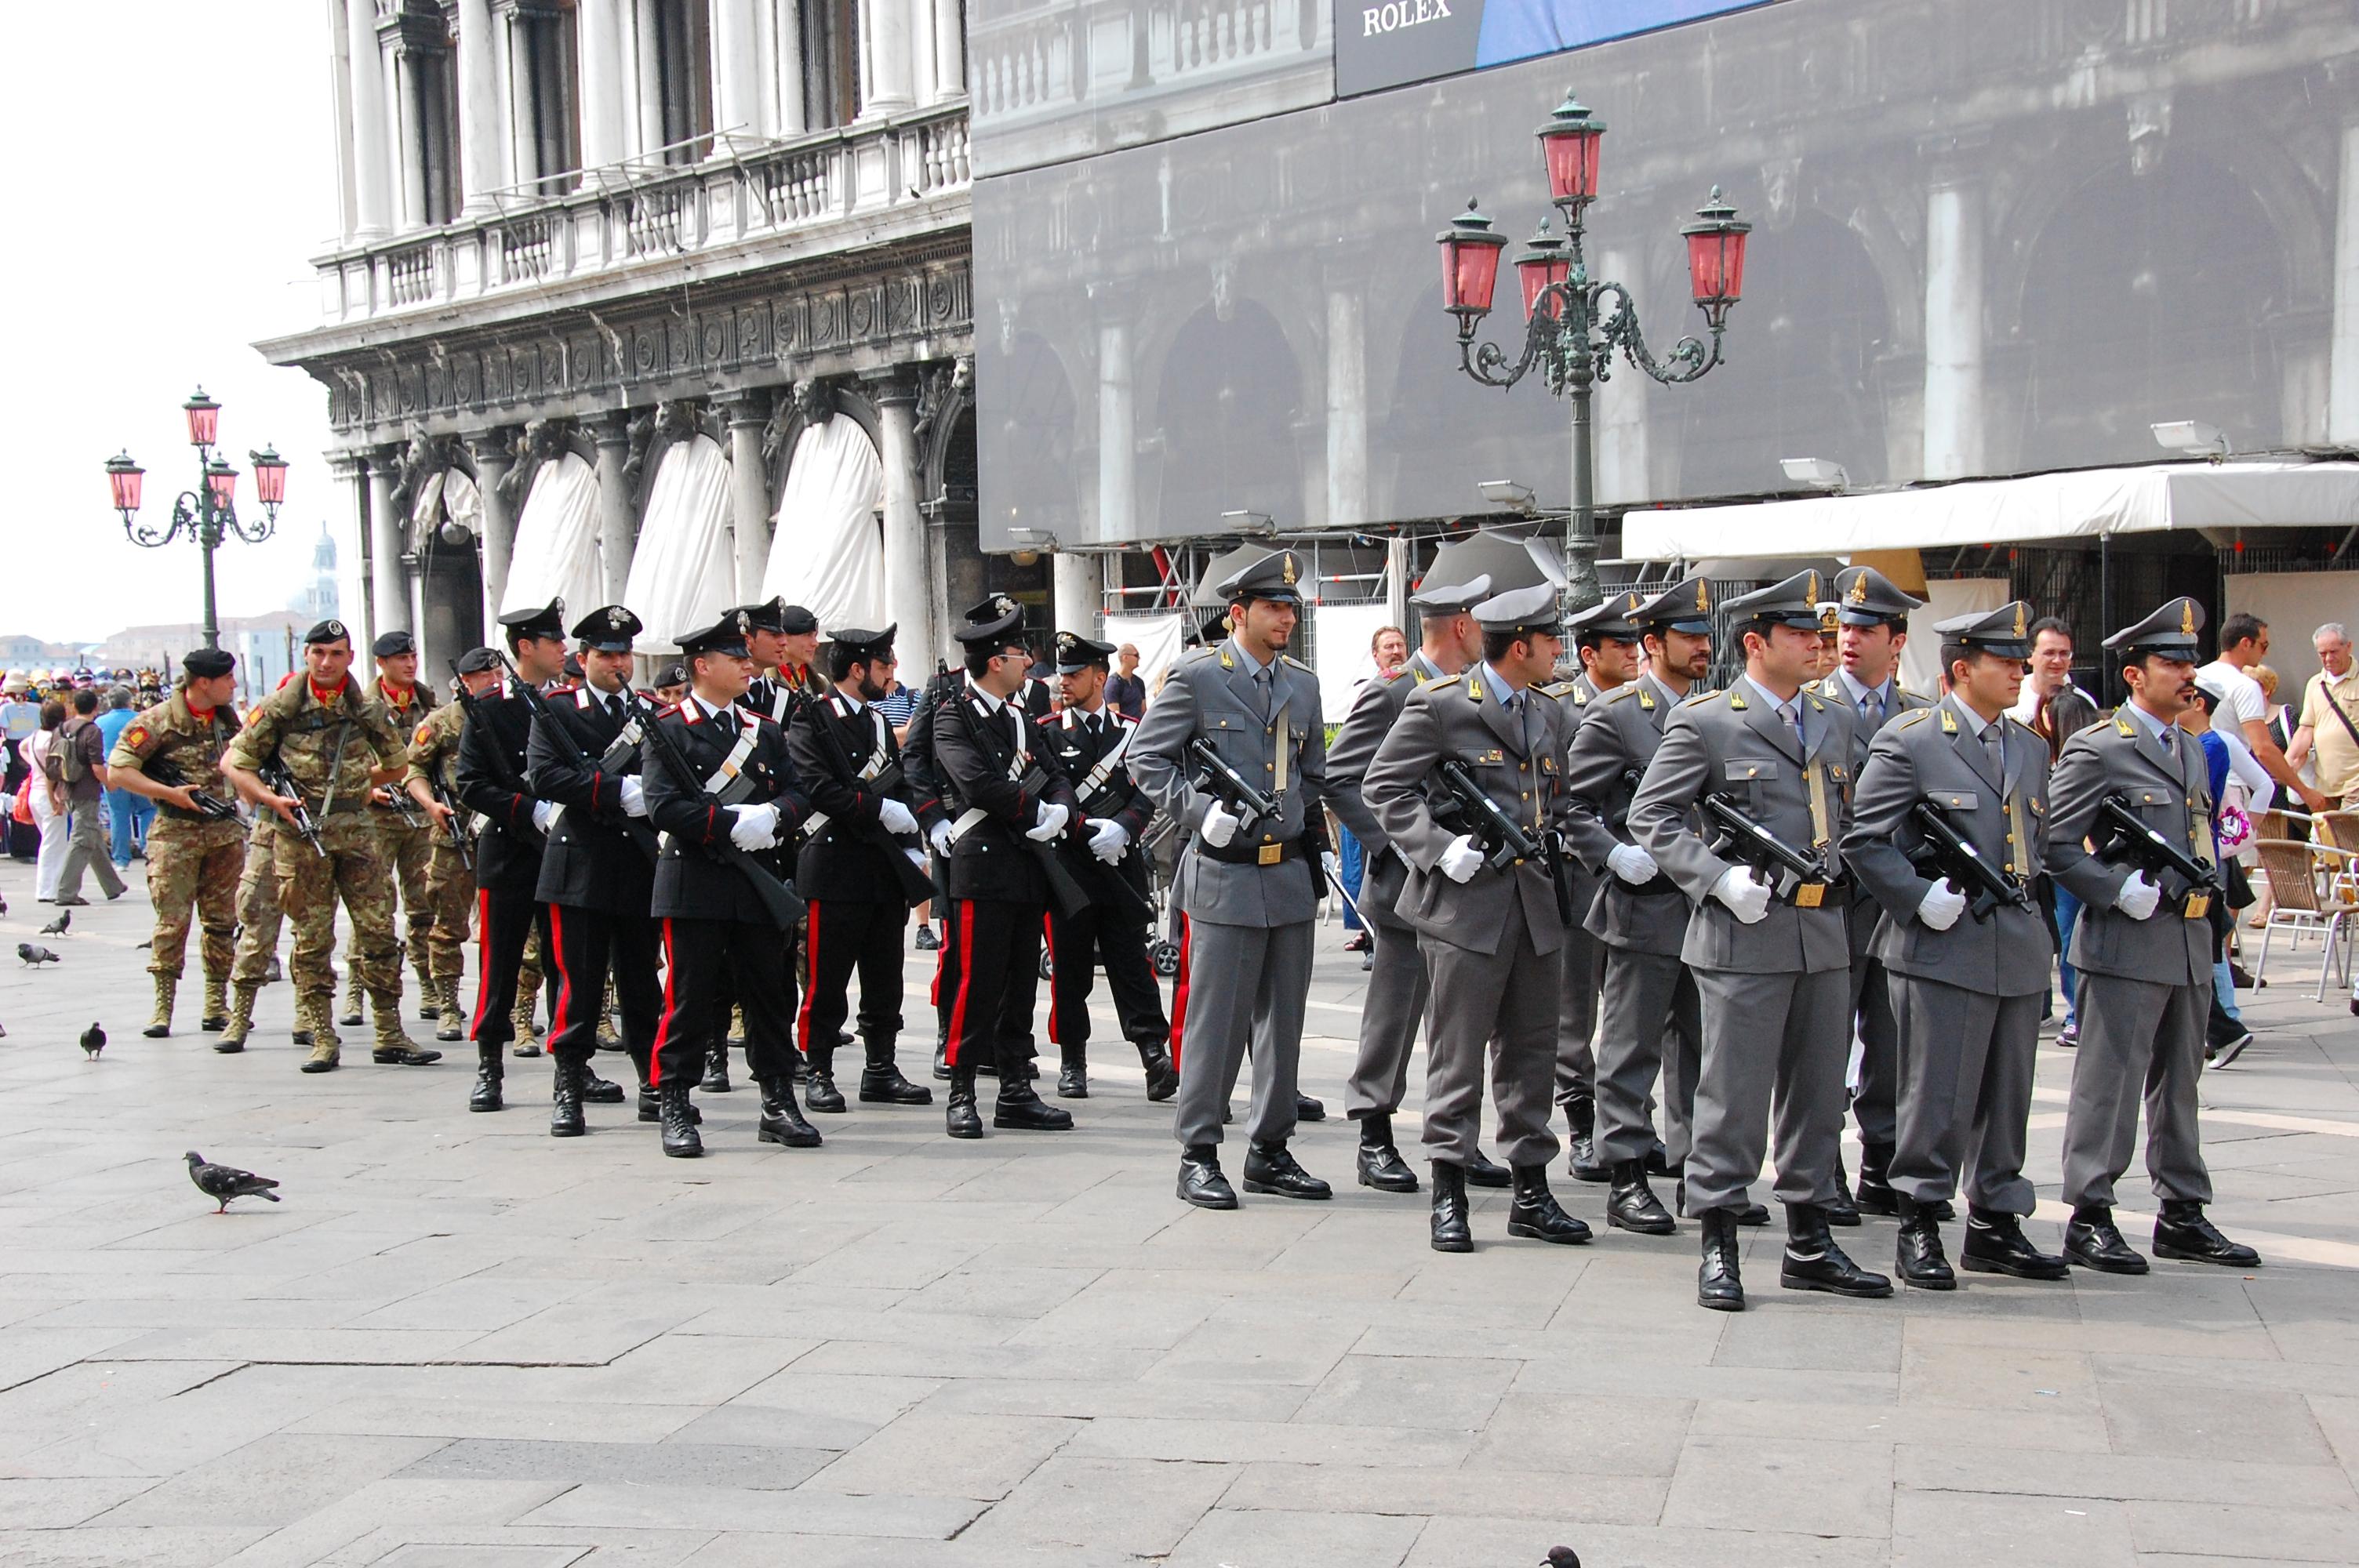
(1510, 561)
(2084, 504)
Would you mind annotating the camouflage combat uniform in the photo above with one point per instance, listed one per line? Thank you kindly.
(407, 852)
(449, 881)
(329, 746)
(194, 859)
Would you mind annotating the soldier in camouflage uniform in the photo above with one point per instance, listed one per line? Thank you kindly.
(170, 754)
(258, 919)
(450, 880)
(407, 833)
(336, 743)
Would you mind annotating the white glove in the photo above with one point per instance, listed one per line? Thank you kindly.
(1108, 839)
(1941, 907)
(544, 812)
(916, 857)
(1053, 821)
(1746, 897)
(635, 799)
(1219, 825)
(2139, 898)
(1631, 863)
(941, 839)
(1461, 860)
(755, 827)
(896, 817)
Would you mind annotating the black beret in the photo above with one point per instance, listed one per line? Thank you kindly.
(477, 660)
(393, 644)
(327, 631)
(208, 664)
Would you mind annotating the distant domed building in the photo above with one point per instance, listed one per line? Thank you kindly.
(319, 599)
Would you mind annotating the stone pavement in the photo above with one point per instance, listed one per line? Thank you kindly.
(458, 1342)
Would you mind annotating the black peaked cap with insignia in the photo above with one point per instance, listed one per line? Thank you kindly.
(549, 620)
(2169, 631)
(1521, 611)
(1865, 596)
(775, 614)
(1076, 653)
(864, 645)
(1451, 598)
(208, 664)
(1794, 602)
(392, 644)
(2004, 632)
(329, 631)
(998, 617)
(1274, 577)
(608, 629)
(1614, 619)
(1685, 606)
(726, 635)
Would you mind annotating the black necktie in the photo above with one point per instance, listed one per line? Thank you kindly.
(615, 711)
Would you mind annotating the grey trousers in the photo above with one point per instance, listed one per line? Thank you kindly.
(1873, 1003)
(1389, 1014)
(1581, 972)
(1773, 1045)
(87, 850)
(1966, 1093)
(1502, 1004)
(1652, 1025)
(2138, 1040)
(1246, 985)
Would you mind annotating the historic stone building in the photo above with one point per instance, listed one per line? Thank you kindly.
(677, 285)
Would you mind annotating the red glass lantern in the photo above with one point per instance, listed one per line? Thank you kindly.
(269, 477)
(123, 477)
(1568, 142)
(220, 482)
(1547, 262)
(1716, 257)
(204, 419)
(1470, 266)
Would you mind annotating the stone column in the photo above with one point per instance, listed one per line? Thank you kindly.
(907, 601)
(617, 507)
(749, 493)
(1077, 589)
(1347, 407)
(1954, 331)
(1117, 436)
(736, 68)
(651, 124)
(787, 26)
(349, 528)
(388, 584)
(950, 51)
(885, 56)
(372, 126)
(1622, 412)
(605, 130)
(2343, 393)
(481, 127)
(494, 451)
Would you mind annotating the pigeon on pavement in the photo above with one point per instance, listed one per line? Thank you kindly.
(57, 927)
(93, 1041)
(222, 1182)
(34, 956)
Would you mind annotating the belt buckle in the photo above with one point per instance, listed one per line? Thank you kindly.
(1809, 895)
(1269, 854)
(2199, 905)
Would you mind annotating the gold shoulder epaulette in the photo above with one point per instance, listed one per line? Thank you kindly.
(1914, 716)
(1624, 694)
(1702, 697)
(1297, 664)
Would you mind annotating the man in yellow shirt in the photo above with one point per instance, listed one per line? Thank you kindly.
(2330, 718)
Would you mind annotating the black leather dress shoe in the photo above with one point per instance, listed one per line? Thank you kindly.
(2181, 1231)
(1994, 1244)
(1380, 1163)
(597, 1090)
(1200, 1181)
(1918, 1259)
(1813, 1261)
(959, 1118)
(405, 1056)
(782, 1120)
(2091, 1241)
(1481, 1171)
(1308, 1110)
(1022, 1110)
(1535, 1215)
(1632, 1205)
(1269, 1168)
(1451, 1231)
(1162, 1079)
(1719, 1284)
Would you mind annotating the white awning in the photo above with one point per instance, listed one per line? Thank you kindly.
(556, 550)
(825, 552)
(2086, 504)
(683, 573)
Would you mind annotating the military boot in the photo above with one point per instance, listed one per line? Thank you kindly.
(393, 1048)
(565, 1119)
(1580, 1121)
(1162, 1077)
(1875, 1194)
(352, 1016)
(822, 1096)
(1020, 1106)
(1920, 1261)
(489, 1070)
(429, 996)
(1720, 1282)
(1379, 1162)
(681, 1140)
(1631, 1206)
(240, 1023)
(881, 1082)
(161, 1023)
(451, 1019)
(1534, 1213)
(1072, 1073)
(1813, 1261)
(716, 1068)
(528, 1038)
(1450, 1232)
(327, 1049)
(216, 1014)
(782, 1120)
(959, 1118)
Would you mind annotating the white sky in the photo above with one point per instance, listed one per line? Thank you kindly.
(173, 175)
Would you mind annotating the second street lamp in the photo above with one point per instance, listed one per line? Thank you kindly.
(1574, 325)
(207, 514)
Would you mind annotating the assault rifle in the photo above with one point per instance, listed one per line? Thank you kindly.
(917, 882)
(166, 772)
(1066, 895)
(502, 765)
(779, 900)
(1773, 861)
(1952, 855)
(1505, 841)
(280, 782)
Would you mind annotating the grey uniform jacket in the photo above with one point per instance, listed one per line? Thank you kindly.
(1831, 690)
(1211, 693)
(1465, 719)
(2170, 793)
(1616, 739)
(1935, 753)
(1578, 699)
(1375, 709)
(1730, 742)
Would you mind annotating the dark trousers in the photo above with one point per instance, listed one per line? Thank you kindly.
(840, 938)
(504, 921)
(993, 980)
(585, 943)
(696, 953)
(725, 997)
(1076, 945)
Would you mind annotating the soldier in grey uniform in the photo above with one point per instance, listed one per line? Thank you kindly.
(1490, 919)
(1245, 886)
(1968, 968)
(1872, 615)
(1398, 989)
(2144, 950)
(1605, 639)
(1769, 956)
(1650, 1017)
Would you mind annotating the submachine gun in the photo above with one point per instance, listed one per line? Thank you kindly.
(1506, 843)
(2159, 858)
(1787, 870)
(1949, 853)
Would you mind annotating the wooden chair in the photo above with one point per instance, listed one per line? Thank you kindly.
(2310, 889)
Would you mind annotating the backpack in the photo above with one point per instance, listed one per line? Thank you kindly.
(67, 749)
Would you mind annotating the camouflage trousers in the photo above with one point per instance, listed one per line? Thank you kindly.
(310, 884)
(193, 872)
(450, 900)
(407, 851)
(258, 914)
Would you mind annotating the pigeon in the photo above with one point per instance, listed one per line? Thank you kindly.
(1562, 1557)
(34, 956)
(93, 1041)
(222, 1182)
(57, 927)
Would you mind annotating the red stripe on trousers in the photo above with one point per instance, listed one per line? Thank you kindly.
(1048, 937)
(1179, 996)
(810, 960)
(965, 920)
(557, 957)
(663, 1030)
(483, 959)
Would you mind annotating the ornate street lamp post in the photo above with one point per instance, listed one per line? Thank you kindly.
(1575, 325)
(208, 513)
